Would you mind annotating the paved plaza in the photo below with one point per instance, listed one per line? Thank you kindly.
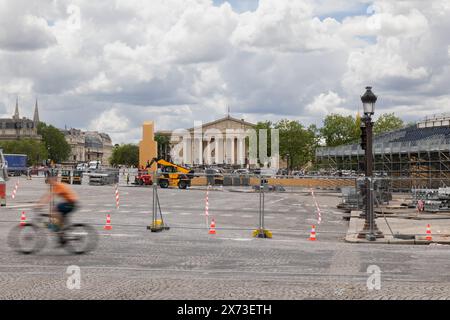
(186, 262)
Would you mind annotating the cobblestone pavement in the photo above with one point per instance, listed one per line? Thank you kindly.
(186, 262)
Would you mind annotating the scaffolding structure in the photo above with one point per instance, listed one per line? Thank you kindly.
(417, 156)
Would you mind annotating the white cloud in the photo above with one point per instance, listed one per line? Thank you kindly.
(327, 103)
(110, 121)
(176, 61)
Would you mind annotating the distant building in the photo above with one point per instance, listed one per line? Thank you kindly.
(17, 128)
(88, 146)
(225, 151)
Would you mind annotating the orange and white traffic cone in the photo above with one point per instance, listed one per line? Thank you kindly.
(312, 236)
(212, 228)
(108, 225)
(429, 237)
(23, 219)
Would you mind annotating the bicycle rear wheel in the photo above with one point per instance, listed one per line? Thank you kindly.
(27, 239)
(80, 238)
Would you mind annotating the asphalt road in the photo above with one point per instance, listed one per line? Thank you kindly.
(186, 262)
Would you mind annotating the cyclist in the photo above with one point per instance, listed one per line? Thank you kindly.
(68, 204)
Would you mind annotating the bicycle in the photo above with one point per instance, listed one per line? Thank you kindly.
(32, 237)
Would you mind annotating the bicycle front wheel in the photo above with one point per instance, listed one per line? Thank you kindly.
(80, 238)
(27, 239)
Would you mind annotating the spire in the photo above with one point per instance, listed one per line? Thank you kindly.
(36, 113)
(16, 112)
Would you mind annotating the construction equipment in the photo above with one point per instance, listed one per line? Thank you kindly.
(173, 175)
(77, 177)
(65, 176)
(143, 178)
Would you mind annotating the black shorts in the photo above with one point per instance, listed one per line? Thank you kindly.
(66, 207)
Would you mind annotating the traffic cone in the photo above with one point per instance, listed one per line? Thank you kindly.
(429, 238)
(108, 225)
(312, 236)
(212, 228)
(23, 219)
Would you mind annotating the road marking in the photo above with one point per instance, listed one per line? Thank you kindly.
(226, 215)
(118, 235)
(124, 211)
(185, 213)
(269, 217)
(275, 201)
(246, 216)
(238, 239)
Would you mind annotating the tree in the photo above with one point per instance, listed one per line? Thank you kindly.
(296, 141)
(338, 130)
(163, 145)
(125, 154)
(57, 147)
(35, 150)
(387, 122)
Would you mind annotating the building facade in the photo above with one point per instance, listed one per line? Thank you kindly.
(17, 128)
(88, 146)
(220, 142)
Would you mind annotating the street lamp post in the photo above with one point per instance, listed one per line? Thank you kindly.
(370, 230)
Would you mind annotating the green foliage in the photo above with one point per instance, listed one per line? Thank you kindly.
(57, 147)
(35, 150)
(338, 130)
(297, 141)
(125, 154)
(387, 122)
(163, 142)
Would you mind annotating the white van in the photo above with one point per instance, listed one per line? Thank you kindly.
(94, 165)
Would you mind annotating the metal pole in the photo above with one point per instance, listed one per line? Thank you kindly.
(370, 230)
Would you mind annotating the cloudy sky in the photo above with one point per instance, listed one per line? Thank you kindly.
(110, 65)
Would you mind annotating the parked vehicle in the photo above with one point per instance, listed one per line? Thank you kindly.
(173, 175)
(82, 167)
(241, 171)
(16, 164)
(143, 178)
(66, 176)
(77, 177)
(3, 169)
(94, 165)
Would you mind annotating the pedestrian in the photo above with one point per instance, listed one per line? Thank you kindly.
(128, 178)
(421, 205)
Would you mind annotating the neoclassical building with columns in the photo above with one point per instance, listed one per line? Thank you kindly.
(220, 142)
